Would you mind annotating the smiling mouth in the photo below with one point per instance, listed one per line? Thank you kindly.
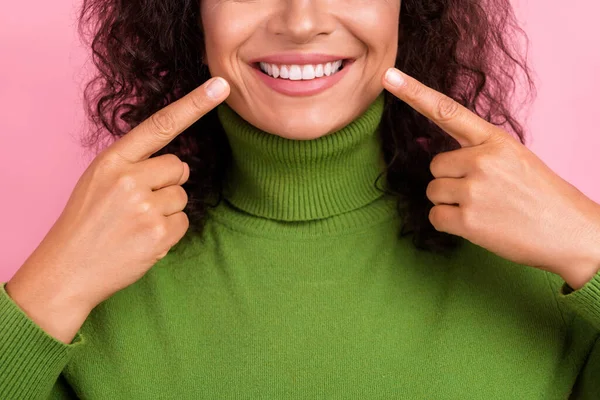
(304, 72)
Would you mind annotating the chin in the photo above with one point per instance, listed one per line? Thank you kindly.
(304, 123)
(300, 130)
(297, 118)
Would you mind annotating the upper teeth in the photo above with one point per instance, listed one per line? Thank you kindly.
(296, 72)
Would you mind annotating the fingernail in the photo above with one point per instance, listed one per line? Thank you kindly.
(216, 88)
(393, 77)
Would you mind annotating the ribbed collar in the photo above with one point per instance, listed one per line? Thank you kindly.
(300, 180)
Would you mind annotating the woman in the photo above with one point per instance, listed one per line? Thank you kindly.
(355, 232)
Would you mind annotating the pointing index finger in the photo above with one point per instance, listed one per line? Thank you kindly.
(163, 126)
(462, 124)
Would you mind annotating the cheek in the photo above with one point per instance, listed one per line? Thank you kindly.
(375, 24)
(217, 44)
(226, 28)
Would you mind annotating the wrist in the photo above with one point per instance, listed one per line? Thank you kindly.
(577, 279)
(52, 309)
(586, 262)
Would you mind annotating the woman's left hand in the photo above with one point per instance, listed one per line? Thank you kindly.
(496, 193)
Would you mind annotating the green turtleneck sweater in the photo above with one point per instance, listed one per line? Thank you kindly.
(301, 288)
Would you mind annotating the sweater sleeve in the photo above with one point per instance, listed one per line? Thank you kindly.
(62, 390)
(31, 360)
(587, 385)
(584, 301)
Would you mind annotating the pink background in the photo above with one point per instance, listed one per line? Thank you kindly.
(42, 69)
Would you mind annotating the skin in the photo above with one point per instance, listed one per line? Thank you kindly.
(493, 191)
(496, 193)
(124, 200)
(238, 31)
(543, 221)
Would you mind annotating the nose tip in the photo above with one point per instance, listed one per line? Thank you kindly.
(302, 30)
(302, 20)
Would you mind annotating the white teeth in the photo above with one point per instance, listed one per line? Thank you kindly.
(319, 70)
(296, 72)
(308, 72)
(284, 72)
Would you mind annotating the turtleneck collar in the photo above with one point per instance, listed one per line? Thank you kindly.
(300, 180)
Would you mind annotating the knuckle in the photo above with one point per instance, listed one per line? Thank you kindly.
(144, 207)
(470, 192)
(434, 216)
(182, 225)
(108, 160)
(446, 109)
(173, 161)
(467, 219)
(483, 162)
(126, 182)
(198, 102)
(172, 158)
(135, 197)
(183, 195)
(163, 122)
(163, 254)
(429, 191)
(435, 164)
(113, 158)
(415, 91)
(104, 159)
(101, 169)
(185, 220)
(159, 232)
(187, 177)
(185, 224)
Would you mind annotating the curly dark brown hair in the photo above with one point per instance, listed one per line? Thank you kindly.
(147, 53)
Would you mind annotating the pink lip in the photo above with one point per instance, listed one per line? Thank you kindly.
(301, 87)
(298, 58)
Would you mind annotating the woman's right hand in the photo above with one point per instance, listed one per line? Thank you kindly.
(124, 215)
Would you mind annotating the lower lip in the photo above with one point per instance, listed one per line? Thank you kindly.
(301, 87)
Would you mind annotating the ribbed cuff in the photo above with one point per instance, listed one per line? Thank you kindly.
(585, 300)
(30, 359)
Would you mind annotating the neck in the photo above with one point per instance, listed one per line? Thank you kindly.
(300, 180)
